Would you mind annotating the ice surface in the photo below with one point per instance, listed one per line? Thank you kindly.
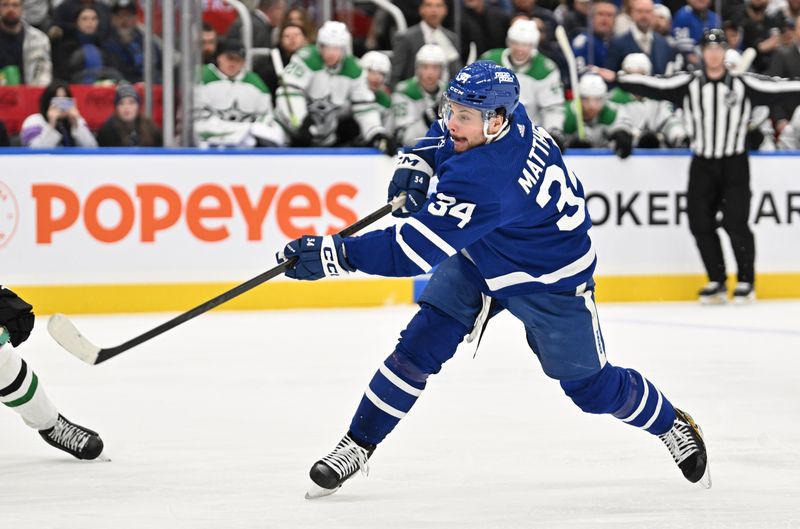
(216, 423)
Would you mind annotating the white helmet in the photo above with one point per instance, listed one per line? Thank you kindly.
(333, 33)
(523, 32)
(377, 62)
(592, 85)
(431, 54)
(637, 63)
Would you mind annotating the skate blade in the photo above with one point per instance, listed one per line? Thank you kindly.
(744, 300)
(315, 491)
(705, 481)
(717, 299)
(102, 458)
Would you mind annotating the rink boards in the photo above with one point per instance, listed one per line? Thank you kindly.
(119, 231)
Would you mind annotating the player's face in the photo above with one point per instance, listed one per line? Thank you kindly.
(429, 76)
(520, 52)
(230, 64)
(331, 55)
(466, 127)
(375, 79)
(713, 56)
(591, 107)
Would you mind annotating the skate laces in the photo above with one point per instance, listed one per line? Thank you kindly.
(348, 457)
(680, 441)
(68, 435)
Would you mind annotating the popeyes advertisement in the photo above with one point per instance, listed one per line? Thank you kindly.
(175, 218)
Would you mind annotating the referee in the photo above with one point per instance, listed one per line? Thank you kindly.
(717, 106)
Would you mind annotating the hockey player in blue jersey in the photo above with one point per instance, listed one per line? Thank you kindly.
(508, 227)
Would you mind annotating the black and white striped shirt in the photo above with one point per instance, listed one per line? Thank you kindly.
(716, 113)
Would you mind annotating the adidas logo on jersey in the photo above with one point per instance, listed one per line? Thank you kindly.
(521, 129)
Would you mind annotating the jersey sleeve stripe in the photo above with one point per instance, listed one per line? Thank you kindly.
(663, 83)
(431, 236)
(516, 278)
(409, 252)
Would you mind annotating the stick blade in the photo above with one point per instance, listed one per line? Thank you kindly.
(70, 338)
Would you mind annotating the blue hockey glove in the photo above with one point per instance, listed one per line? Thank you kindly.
(412, 176)
(317, 257)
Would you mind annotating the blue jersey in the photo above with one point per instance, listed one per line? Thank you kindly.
(510, 206)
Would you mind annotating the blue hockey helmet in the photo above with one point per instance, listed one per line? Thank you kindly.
(486, 86)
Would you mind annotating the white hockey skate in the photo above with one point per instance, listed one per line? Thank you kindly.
(329, 473)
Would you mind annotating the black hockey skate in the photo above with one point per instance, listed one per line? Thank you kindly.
(685, 442)
(714, 293)
(73, 439)
(329, 473)
(743, 293)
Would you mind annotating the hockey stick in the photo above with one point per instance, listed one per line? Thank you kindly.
(566, 49)
(70, 338)
(748, 56)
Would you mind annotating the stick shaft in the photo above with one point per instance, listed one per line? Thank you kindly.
(357, 226)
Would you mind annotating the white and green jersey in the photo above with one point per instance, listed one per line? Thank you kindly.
(540, 87)
(598, 131)
(414, 109)
(234, 111)
(651, 116)
(326, 95)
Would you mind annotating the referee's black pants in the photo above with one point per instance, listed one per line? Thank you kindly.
(721, 184)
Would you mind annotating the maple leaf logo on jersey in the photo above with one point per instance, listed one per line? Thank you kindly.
(521, 129)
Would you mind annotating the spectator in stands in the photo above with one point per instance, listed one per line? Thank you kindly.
(298, 16)
(81, 59)
(484, 25)
(66, 14)
(733, 34)
(789, 137)
(604, 124)
(126, 44)
(325, 99)
(592, 49)
(641, 39)
(208, 43)
(428, 31)
(233, 106)
(576, 20)
(540, 87)
(785, 63)
(293, 38)
(378, 67)
(58, 122)
(24, 50)
(126, 127)
(5, 141)
(691, 21)
(789, 8)
(531, 9)
(655, 124)
(415, 102)
(662, 21)
(624, 21)
(266, 18)
(761, 32)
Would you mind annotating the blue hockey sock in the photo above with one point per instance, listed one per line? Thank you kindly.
(626, 394)
(430, 339)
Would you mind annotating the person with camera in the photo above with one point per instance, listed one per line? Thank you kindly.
(58, 122)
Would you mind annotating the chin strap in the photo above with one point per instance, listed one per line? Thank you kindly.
(497, 135)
